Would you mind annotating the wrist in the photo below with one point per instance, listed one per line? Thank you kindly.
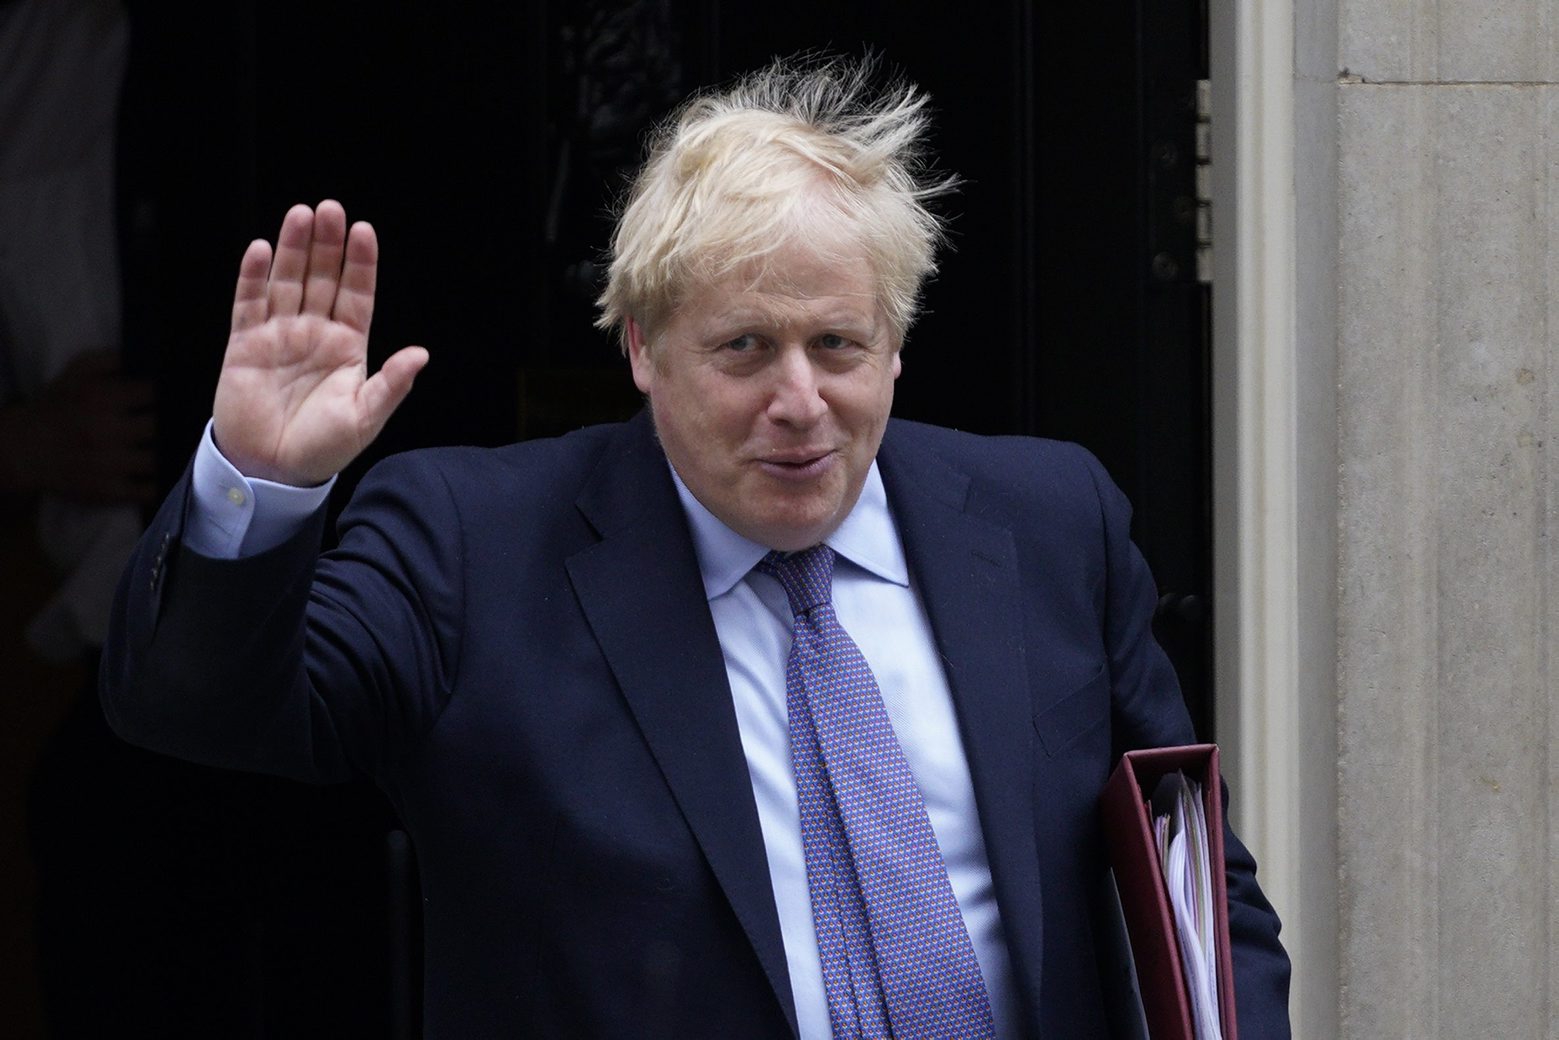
(252, 469)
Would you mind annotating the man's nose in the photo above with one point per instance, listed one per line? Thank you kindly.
(796, 399)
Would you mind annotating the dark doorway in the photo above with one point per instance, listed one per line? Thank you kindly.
(486, 141)
(487, 148)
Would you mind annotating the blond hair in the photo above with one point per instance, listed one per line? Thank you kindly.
(733, 177)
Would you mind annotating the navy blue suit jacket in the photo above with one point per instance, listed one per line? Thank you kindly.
(516, 646)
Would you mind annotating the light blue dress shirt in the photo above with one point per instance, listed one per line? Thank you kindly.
(232, 516)
(876, 605)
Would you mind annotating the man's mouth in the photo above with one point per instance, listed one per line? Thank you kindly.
(797, 465)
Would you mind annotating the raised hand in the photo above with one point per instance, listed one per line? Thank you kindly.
(295, 402)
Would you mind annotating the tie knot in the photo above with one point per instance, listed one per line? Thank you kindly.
(807, 576)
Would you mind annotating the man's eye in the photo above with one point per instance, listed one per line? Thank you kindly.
(833, 341)
(741, 344)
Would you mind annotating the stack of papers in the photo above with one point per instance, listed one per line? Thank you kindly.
(1180, 828)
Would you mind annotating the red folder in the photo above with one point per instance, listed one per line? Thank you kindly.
(1155, 948)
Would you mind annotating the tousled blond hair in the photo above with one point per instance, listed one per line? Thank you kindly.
(802, 148)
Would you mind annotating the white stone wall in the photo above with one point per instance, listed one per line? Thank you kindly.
(1448, 456)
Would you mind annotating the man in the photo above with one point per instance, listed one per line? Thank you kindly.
(757, 715)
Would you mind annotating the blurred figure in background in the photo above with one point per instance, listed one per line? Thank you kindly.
(76, 458)
(139, 895)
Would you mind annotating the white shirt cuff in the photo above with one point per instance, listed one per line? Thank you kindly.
(232, 516)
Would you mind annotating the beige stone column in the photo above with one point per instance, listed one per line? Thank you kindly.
(1448, 321)
(1386, 444)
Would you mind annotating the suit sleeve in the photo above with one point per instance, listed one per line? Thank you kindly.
(1148, 711)
(316, 668)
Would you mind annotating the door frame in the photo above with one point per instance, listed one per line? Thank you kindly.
(1275, 470)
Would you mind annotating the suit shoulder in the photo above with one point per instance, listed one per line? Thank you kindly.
(1017, 463)
(542, 467)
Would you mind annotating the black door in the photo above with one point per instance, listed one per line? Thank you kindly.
(486, 141)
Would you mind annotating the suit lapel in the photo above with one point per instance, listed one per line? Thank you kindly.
(966, 571)
(640, 589)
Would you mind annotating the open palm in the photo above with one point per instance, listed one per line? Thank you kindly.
(295, 402)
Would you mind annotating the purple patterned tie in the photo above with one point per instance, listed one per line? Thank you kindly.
(897, 960)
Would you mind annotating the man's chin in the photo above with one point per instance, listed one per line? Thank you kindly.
(790, 526)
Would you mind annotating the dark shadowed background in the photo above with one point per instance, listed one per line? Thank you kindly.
(485, 142)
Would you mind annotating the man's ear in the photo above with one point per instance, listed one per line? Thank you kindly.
(639, 357)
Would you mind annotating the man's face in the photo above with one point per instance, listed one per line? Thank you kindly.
(770, 397)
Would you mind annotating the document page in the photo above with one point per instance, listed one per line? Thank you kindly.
(1180, 827)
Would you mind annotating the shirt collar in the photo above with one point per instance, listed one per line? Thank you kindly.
(866, 537)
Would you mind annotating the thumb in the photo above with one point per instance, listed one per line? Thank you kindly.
(384, 391)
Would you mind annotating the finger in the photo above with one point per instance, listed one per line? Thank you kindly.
(355, 301)
(285, 291)
(324, 274)
(249, 295)
(387, 388)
